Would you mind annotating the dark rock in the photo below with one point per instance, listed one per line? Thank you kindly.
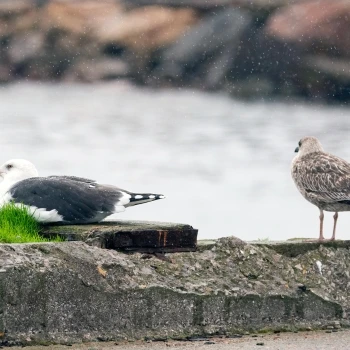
(264, 66)
(331, 67)
(251, 87)
(216, 38)
(328, 78)
(25, 47)
(214, 4)
(316, 26)
(198, 4)
(5, 73)
(316, 29)
(250, 49)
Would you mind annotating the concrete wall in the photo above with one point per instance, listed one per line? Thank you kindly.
(72, 292)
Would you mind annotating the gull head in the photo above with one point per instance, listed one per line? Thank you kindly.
(308, 144)
(15, 170)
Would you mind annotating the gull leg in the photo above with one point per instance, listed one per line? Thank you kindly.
(335, 217)
(321, 238)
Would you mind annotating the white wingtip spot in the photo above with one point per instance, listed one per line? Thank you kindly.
(152, 196)
(161, 197)
(125, 199)
(138, 196)
(119, 208)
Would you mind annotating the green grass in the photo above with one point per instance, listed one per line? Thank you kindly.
(17, 225)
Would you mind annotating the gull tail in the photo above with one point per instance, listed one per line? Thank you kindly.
(140, 198)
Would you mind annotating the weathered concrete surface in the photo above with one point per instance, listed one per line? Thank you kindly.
(141, 236)
(72, 292)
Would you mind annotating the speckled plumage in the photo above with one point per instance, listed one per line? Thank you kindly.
(322, 178)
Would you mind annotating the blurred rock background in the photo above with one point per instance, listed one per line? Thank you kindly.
(249, 48)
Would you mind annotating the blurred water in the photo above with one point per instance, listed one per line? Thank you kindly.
(223, 164)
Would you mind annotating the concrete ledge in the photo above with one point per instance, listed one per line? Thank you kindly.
(293, 248)
(72, 292)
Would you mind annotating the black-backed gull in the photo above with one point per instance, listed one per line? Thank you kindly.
(65, 199)
(322, 178)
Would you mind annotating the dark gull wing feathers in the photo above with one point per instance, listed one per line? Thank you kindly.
(76, 200)
(324, 176)
(74, 178)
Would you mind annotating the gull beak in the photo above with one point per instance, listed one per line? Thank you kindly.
(296, 150)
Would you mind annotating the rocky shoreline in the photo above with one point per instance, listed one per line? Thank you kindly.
(247, 48)
(73, 292)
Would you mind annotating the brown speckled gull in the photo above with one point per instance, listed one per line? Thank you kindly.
(322, 178)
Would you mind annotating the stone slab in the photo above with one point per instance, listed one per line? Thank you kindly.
(141, 236)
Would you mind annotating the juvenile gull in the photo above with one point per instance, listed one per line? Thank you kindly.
(322, 178)
(66, 199)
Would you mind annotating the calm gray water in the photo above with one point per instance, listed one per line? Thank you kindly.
(223, 164)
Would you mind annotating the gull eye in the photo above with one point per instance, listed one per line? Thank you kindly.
(299, 144)
(9, 166)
